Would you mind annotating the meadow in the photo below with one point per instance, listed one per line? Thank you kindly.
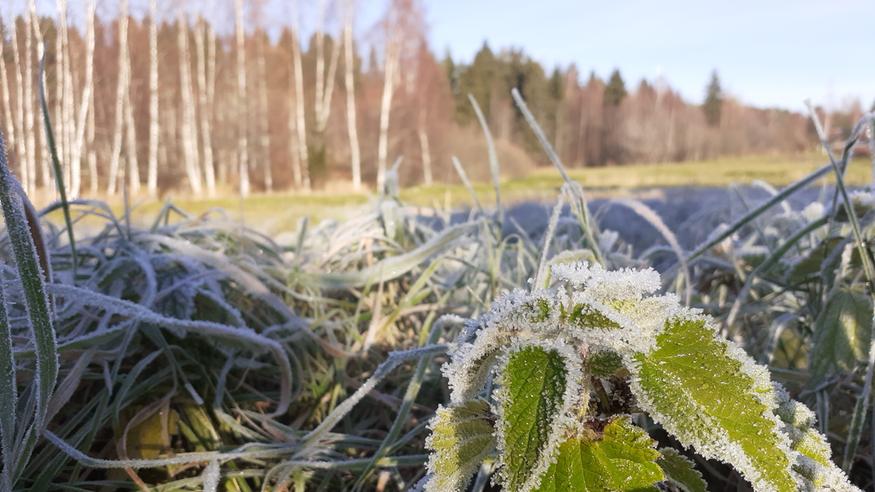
(193, 352)
(282, 212)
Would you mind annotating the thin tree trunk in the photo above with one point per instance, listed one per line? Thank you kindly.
(211, 99)
(426, 155)
(242, 129)
(189, 130)
(133, 168)
(319, 90)
(294, 153)
(385, 109)
(45, 177)
(60, 86)
(349, 83)
(205, 104)
(21, 147)
(29, 129)
(93, 177)
(85, 105)
(154, 102)
(7, 104)
(120, 93)
(300, 119)
(263, 116)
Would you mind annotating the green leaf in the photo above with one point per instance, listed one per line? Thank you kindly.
(604, 363)
(461, 437)
(537, 387)
(814, 463)
(586, 316)
(842, 333)
(712, 396)
(680, 472)
(621, 459)
(812, 262)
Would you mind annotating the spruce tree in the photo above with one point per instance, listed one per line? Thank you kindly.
(615, 91)
(713, 101)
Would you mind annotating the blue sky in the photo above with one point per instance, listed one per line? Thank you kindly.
(768, 52)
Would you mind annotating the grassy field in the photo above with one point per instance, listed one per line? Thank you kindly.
(282, 211)
(200, 352)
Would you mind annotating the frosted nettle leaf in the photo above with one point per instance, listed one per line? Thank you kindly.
(712, 396)
(621, 459)
(539, 385)
(472, 363)
(585, 316)
(681, 472)
(803, 268)
(842, 333)
(461, 437)
(814, 462)
(603, 363)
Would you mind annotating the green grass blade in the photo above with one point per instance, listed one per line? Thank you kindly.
(56, 165)
(8, 395)
(494, 166)
(771, 202)
(36, 302)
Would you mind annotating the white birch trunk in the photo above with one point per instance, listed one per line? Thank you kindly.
(205, 106)
(154, 102)
(300, 119)
(349, 83)
(263, 116)
(120, 93)
(426, 156)
(85, 105)
(189, 130)
(45, 176)
(385, 110)
(7, 100)
(242, 137)
(21, 147)
(29, 128)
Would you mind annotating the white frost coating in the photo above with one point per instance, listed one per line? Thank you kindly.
(813, 211)
(864, 200)
(567, 317)
(717, 444)
(211, 476)
(608, 285)
(564, 421)
(791, 411)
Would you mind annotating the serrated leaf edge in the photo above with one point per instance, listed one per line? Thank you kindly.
(562, 424)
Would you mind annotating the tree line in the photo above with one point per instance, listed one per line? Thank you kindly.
(164, 101)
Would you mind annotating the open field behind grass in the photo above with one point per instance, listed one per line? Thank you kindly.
(281, 211)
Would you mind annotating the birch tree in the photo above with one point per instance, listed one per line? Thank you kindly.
(349, 84)
(21, 146)
(242, 128)
(85, 116)
(120, 98)
(154, 102)
(29, 129)
(45, 178)
(323, 92)
(9, 127)
(389, 75)
(190, 154)
(300, 117)
(206, 79)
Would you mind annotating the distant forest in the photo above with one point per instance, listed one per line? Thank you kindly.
(155, 106)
